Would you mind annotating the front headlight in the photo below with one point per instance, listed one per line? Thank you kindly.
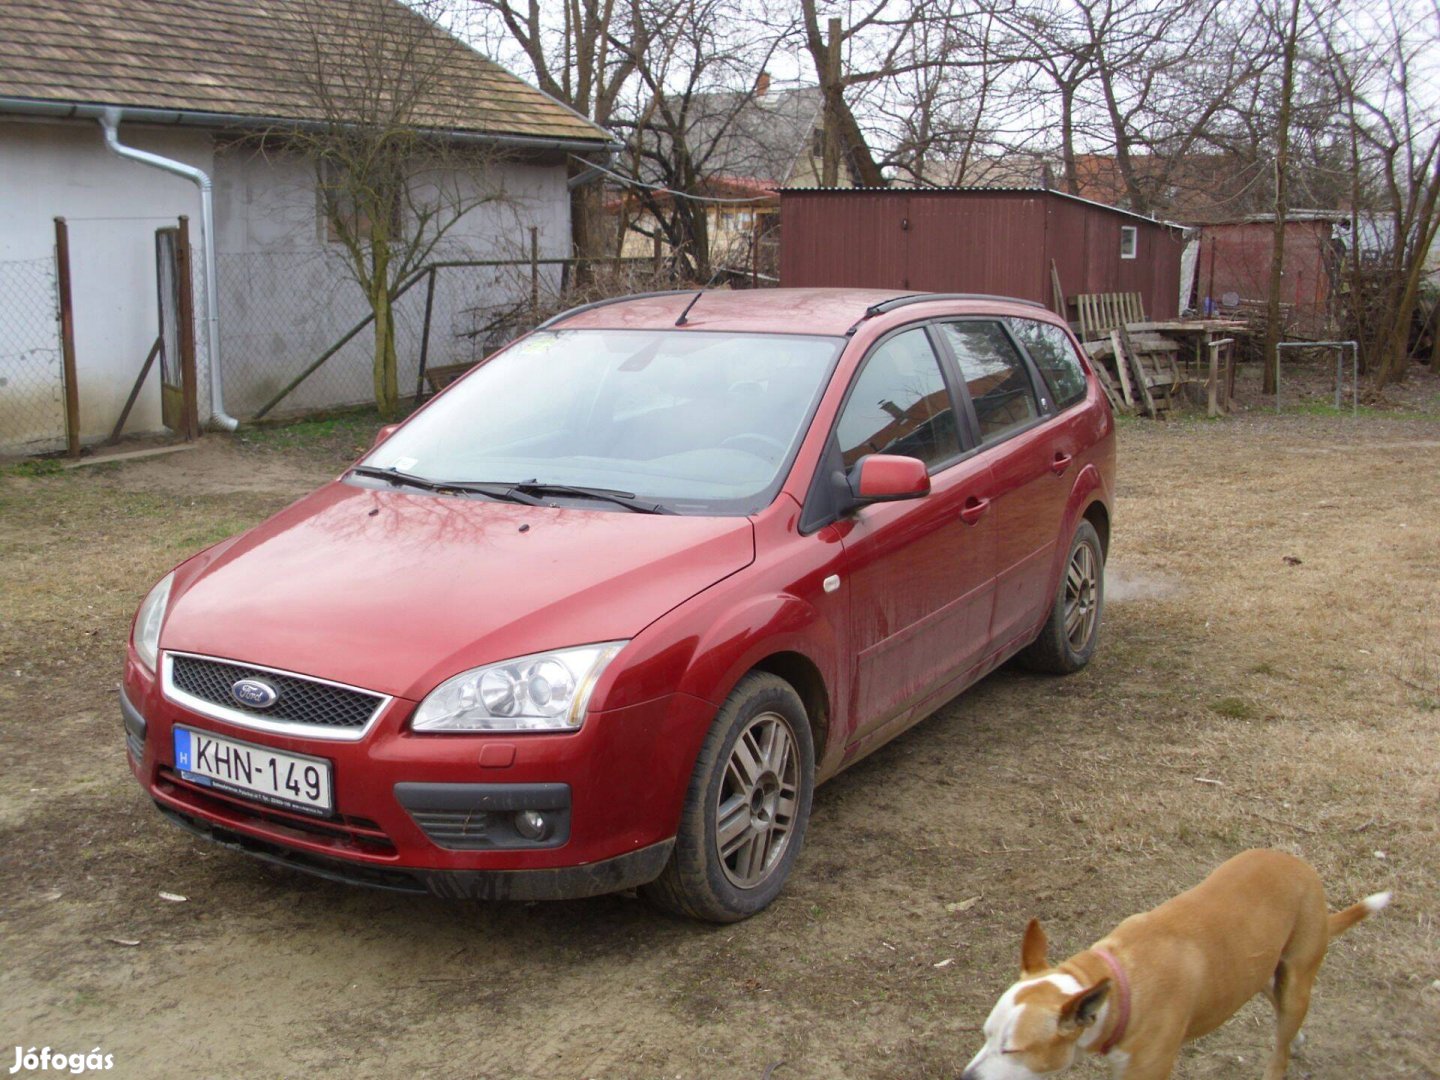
(149, 619)
(540, 692)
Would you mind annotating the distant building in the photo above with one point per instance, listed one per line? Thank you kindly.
(749, 146)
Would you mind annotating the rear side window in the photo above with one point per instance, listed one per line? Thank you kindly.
(899, 405)
(995, 375)
(1054, 355)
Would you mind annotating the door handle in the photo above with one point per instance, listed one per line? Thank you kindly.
(1060, 464)
(973, 510)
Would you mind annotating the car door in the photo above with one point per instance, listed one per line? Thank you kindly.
(1010, 412)
(919, 572)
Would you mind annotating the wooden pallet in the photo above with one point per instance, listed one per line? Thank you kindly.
(1102, 312)
(1147, 374)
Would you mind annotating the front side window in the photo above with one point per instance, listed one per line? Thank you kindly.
(702, 422)
(995, 375)
(1054, 355)
(899, 405)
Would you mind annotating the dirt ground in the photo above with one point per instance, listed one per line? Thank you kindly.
(1269, 676)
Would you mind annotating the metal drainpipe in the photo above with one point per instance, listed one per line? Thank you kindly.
(110, 123)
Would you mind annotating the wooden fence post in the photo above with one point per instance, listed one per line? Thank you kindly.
(67, 339)
(186, 320)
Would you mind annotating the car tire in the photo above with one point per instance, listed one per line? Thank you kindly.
(1068, 638)
(745, 809)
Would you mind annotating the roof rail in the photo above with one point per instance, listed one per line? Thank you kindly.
(611, 300)
(905, 299)
(923, 298)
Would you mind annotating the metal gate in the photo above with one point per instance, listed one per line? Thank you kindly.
(32, 395)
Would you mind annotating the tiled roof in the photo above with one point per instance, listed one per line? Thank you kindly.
(258, 58)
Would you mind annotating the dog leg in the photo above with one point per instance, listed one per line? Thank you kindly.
(1292, 1002)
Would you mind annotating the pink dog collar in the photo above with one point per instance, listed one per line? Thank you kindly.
(1122, 987)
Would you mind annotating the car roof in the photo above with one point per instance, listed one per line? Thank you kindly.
(788, 311)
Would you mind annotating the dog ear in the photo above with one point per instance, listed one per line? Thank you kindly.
(1080, 1010)
(1033, 950)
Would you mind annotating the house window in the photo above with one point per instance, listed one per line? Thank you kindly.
(337, 207)
(1129, 241)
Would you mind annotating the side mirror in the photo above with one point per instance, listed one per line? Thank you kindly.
(887, 478)
(383, 434)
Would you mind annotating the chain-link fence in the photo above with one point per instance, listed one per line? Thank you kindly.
(280, 312)
(32, 388)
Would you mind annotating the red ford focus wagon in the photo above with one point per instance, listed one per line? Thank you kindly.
(603, 613)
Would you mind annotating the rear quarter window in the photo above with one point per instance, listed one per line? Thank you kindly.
(1054, 354)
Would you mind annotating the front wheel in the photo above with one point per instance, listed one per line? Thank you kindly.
(746, 808)
(1068, 639)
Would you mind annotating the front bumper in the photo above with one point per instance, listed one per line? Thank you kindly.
(616, 786)
(562, 883)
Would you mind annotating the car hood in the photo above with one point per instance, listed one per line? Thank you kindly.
(393, 591)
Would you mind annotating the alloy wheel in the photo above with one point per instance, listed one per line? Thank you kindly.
(755, 808)
(1082, 595)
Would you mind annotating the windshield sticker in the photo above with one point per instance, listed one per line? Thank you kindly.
(540, 343)
(405, 464)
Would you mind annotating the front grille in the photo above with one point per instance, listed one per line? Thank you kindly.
(300, 700)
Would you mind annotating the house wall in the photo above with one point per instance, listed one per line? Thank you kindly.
(287, 293)
(112, 208)
(284, 291)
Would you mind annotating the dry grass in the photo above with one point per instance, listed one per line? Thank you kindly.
(1238, 700)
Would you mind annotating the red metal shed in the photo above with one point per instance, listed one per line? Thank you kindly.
(978, 240)
(1234, 264)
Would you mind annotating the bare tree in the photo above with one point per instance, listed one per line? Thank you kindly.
(1377, 59)
(683, 124)
(576, 60)
(391, 183)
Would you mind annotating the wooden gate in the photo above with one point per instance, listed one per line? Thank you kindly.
(176, 340)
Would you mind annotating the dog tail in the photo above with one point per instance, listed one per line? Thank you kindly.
(1340, 921)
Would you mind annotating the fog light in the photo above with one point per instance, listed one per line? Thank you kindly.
(532, 825)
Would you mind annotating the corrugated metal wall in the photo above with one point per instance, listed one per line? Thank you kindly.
(854, 239)
(1236, 258)
(974, 241)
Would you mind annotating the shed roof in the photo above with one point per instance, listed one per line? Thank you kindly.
(986, 190)
(245, 58)
(1291, 217)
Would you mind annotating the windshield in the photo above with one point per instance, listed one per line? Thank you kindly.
(696, 421)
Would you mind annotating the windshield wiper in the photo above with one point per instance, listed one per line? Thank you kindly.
(499, 492)
(619, 498)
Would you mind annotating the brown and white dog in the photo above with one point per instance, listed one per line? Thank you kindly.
(1258, 924)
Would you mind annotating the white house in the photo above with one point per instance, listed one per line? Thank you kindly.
(190, 85)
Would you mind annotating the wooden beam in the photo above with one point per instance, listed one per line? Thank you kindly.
(1120, 368)
(134, 393)
(1146, 397)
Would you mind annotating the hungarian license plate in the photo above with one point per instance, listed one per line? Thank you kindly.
(291, 781)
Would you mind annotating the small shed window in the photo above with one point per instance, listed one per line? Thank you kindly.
(1129, 240)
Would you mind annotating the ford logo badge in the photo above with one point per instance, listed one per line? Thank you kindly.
(254, 693)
